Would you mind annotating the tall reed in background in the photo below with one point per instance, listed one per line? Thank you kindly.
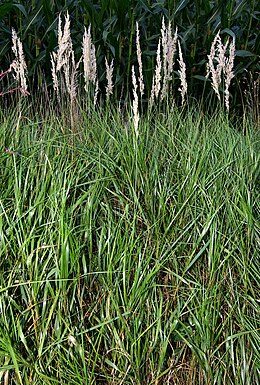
(18, 68)
(221, 66)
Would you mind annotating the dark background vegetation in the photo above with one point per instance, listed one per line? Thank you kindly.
(113, 31)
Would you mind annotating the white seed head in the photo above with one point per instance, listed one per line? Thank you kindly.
(157, 81)
(54, 72)
(19, 65)
(219, 64)
(135, 103)
(89, 58)
(139, 59)
(182, 73)
(64, 43)
(164, 37)
(228, 71)
(109, 76)
(64, 60)
(169, 49)
(96, 93)
(172, 45)
(215, 72)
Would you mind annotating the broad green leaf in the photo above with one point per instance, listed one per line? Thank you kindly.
(243, 53)
(229, 32)
(22, 9)
(182, 4)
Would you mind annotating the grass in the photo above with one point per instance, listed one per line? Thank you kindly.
(128, 260)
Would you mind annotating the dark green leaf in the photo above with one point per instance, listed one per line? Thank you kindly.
(22, 9)
(243, 53)
(199, 77)
(5, 9)
(181, 5)
(229, 32)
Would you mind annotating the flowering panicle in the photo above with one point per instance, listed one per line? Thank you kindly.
(219, 64)
(64, 68)
(64, 60)
(89, 59)
(228, 71)
(19, 65)
(172, 47)
(156, 86)
(169, 49)
(135, 103)
(139, 59)
(182, 73)
(216, 53)
(165, 58)
(89, 63)
(167, 44)
(109, 76)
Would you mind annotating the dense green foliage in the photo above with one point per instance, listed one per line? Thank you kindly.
(113, 29)
(125, 260)
(129, 255)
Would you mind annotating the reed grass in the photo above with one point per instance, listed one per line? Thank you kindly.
(124, 259)
(129, 243)
(65, 70)
(113, 27)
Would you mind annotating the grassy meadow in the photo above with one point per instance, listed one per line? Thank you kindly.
(129, 207)
(125, 259)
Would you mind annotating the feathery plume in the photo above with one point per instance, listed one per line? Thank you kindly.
(172, 46)
(139, 59)
(19, 65)
(109, 76)
(89, 59)
(158, 70)
(156, 86)
(182, 73)
(54, 72)
(135, 103)
(218, 63)
(215, 72)
(96, 93)
(228, 71)
(64, 43)
(165, 58)
(169, 49)
(64, 60)
(70, 70)
(151, 100)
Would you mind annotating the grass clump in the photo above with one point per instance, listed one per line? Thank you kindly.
(128, 259)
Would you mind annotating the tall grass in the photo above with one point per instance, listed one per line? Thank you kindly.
(114, 30)
(125, 259)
